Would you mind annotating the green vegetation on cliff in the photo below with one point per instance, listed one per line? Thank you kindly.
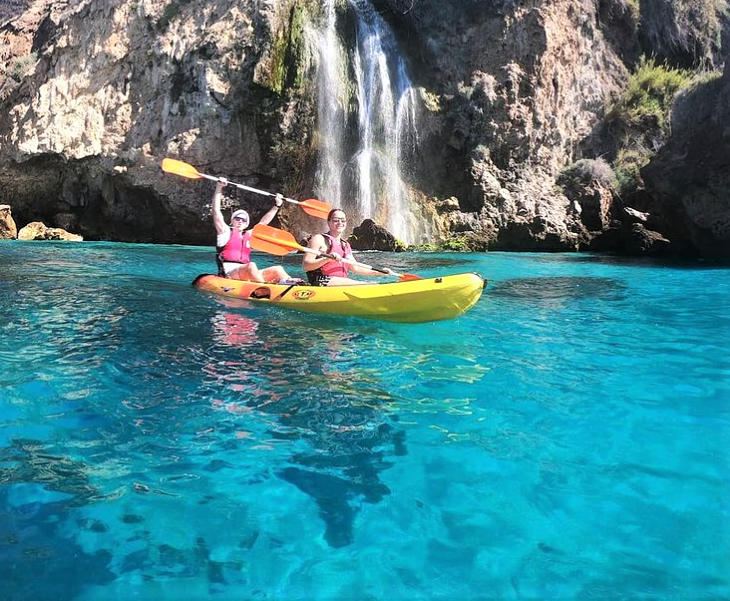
(287, 51)
(642, 112)
(586, 172)
(468, 242)
(20, 66)
(639, 122)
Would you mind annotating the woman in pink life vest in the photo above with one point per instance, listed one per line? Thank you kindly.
(233, 245)
(323, 271)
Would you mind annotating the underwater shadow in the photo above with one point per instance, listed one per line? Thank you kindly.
(40, 561)
(351, 437)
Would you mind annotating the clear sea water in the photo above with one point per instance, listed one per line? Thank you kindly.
(567, 438)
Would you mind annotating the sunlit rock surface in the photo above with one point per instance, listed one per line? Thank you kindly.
(38, 231)
(8, 229)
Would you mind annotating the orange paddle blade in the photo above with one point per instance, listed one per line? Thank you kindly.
(408, 277)
(272, 240)
(315, 208)
(180, 168)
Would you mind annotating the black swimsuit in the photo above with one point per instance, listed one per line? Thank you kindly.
(317, 278)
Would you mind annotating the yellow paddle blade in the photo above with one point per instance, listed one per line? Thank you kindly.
(180, 168)
(271, 240)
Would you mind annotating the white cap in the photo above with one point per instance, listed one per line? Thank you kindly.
(240, 213)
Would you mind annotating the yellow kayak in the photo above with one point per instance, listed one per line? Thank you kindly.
(412, 301)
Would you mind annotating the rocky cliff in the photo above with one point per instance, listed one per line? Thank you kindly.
(114, 87)
(96, 92)
(518, 88)
(690, 176)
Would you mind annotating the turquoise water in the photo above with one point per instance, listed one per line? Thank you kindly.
(565, 438)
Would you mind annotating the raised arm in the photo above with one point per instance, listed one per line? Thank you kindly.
(219, 221)
(271, 213)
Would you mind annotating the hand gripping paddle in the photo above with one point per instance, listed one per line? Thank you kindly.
(278, 242)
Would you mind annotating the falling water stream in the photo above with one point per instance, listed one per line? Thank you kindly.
(365, 178)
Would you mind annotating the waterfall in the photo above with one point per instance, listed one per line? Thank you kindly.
(332, 100)
(365, 178)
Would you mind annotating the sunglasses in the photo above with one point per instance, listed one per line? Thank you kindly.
(240, 219)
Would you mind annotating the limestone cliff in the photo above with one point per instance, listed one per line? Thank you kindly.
(117, 85)
(517, 88)
(96, 92)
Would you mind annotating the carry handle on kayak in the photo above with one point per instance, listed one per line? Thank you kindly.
(278, 242)
(312, 206)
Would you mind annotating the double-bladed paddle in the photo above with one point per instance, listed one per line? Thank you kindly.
(278, 242)
(312, 206)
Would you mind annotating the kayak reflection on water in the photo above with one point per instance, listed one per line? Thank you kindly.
(350, 442)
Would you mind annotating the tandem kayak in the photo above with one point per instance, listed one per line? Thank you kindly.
(413, 301)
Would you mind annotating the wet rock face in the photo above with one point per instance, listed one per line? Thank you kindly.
(516, 89)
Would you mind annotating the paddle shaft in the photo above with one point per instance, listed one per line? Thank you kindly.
(306, 249)
(247, 188)
(295, 246)
(316, 208)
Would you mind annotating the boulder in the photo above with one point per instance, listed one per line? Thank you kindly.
(536, 235)
(638, 240)
(37, 230)
(371, 236)
(8, 229)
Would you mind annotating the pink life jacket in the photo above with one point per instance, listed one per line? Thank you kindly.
(332, 267)
(238, 248)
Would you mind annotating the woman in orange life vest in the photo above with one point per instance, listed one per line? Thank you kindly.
(322, 271)
(233, 245)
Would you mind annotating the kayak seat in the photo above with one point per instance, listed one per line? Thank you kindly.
(260, 292)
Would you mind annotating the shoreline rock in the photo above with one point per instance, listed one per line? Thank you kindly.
(8, 229)
(37, 230)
